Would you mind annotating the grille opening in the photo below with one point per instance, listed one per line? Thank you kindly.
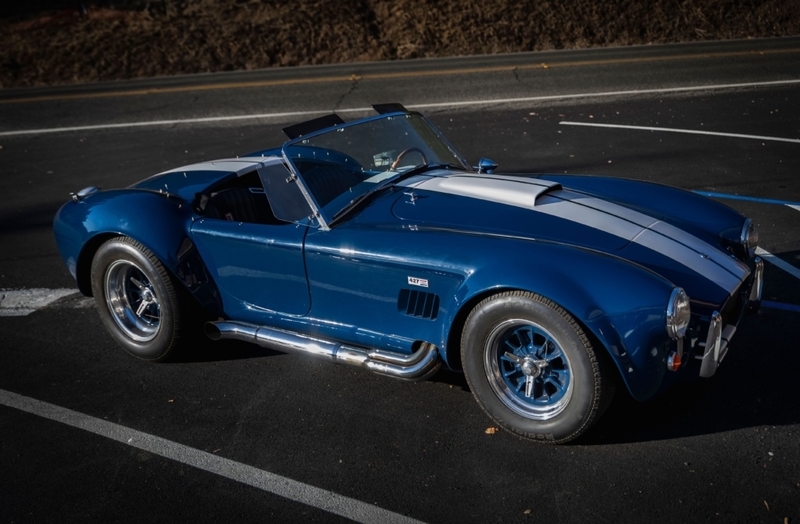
(418, 304)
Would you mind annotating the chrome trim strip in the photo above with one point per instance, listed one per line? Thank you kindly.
(419, 365)
(83, 193)
(315, 208)
(716, 345)
(712, 346)
(727, 335)
(758, 281)
(744, 237)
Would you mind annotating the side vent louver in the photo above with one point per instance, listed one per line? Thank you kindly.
(418, 304)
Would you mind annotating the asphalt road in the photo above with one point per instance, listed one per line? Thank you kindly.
(724, 450)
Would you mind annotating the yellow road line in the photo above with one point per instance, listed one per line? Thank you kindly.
(385, 76)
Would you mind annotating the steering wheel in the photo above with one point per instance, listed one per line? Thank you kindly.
(405, 152)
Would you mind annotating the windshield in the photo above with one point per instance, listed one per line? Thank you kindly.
(341, 165)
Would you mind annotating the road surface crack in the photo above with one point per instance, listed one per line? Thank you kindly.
(354, 80)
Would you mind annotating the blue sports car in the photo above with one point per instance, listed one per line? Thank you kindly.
(374, 243)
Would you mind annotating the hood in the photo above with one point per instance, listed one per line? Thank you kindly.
(544, 210)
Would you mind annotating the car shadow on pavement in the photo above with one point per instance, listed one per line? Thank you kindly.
(204, 349)
(207, 350)
(756, 386)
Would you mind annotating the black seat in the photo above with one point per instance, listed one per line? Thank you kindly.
(241, 204)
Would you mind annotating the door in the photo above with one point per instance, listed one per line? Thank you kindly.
(258, 267)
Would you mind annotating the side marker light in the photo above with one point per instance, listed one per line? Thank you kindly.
(673, 361)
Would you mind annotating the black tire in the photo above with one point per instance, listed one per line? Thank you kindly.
(140, 304)
(532, 368)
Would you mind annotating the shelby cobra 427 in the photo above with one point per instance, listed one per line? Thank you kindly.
(374, 243)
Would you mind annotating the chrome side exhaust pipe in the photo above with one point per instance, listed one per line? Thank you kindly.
(420, 365)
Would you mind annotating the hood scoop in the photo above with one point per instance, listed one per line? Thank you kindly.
(519, 206)
(508, 190)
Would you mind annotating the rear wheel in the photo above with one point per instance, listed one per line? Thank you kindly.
(532, 368)
(141, 305)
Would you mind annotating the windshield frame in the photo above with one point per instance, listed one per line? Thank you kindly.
(326, 218)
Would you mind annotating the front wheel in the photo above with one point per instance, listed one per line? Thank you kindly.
(139, 303)
(532, 369)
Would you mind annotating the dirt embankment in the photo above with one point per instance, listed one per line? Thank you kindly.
(166, 37)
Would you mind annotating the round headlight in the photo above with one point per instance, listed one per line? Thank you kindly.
(749, 238)
(678, 313)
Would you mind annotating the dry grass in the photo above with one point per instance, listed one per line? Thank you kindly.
(197, 36)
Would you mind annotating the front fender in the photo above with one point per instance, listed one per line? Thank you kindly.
(158, 221)
(622, 304)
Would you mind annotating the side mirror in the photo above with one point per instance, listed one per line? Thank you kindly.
(486, 165)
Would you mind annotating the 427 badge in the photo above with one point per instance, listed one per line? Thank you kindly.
(421, 282)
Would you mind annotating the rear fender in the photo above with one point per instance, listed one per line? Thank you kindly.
(158, 221)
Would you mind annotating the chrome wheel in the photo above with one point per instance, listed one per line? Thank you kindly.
(144, 308)
(132, 301)
(532, 367)
(528, 369)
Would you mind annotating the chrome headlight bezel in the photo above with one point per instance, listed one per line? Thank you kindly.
(679, 313)
(749, 238)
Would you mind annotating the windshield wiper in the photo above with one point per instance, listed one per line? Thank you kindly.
(389, 182)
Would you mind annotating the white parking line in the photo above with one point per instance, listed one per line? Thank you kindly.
(685, 131)
(796, 208)
(463, 103)
(21, 302)
(270, 482)
(766, 255)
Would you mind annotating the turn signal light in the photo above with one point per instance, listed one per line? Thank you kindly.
(673, 361)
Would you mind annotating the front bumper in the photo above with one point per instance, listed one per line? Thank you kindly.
(715, 346)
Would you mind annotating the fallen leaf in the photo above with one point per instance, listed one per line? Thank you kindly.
(170, 401)
(491, 431)
(767, 505)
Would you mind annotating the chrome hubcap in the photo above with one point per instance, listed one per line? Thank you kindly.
(528, 370)
(132, 301)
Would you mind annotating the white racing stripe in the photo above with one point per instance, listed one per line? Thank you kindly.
(724, 260)
(258, 478)
(672, 242)
(237, 165)
(656, 235)
(690, 258)
(620, 221)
